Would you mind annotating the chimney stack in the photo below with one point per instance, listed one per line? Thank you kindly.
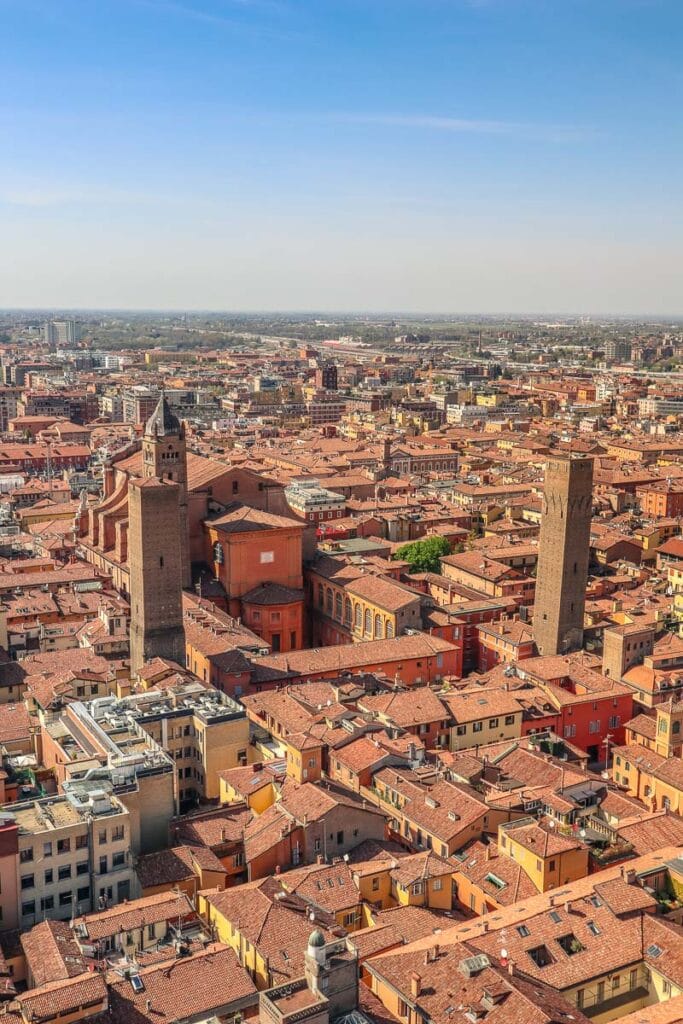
(415, 985)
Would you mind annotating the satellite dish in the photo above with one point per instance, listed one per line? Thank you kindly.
(504, 954)
(582, 833)
(551, 823)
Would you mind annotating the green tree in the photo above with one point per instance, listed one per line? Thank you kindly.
(424, 555)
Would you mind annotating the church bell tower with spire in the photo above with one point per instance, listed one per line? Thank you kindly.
(164, 456)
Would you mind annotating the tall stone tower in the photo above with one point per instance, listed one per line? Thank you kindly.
(563, 554)
(164, 456)
(155, 561)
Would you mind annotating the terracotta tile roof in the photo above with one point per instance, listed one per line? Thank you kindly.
(313, 802)
(372, 856)
(413, 923)
(165, 867)
(444, 809)
(60, 998)
(668, 1012)
(374, 940)
(473, 705)
(406, 707)
(15, 722)
(272, 593)
(277, 927)
(496, 876)
(653, 832)
(252, 777)
(266, 830)
(418, 867)
(329, 886)
(164, 906)
(52, 953)
(244, 519)
(384, 592)
(644, 725)
(447, 996)
(213, 828)
(543, 842)
(197, 986)
(622, 898)
(360, 754)
(349, 657)
(200, 470)
(282, 707)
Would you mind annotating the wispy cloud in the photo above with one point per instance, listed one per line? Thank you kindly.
(209, 17)
(185, 11)
(472, 126)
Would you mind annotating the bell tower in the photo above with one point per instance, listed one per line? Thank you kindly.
(164, 456)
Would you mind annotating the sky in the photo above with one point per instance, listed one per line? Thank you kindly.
(342, 155)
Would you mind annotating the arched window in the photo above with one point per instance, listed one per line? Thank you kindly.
(368, 622)
(321, 595)
(358, 619)
(676, 727)
(328, 600)
(347, 611)
(378, 627)
(390, 629)
(338, 606)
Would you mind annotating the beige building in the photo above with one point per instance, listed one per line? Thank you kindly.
(74, 854)
(203, 730)
(482, 716)
(86, 740)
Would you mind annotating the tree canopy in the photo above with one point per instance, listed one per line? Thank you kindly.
(424, 555)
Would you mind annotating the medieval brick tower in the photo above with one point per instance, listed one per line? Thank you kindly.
(164, 456)
(563, 555)
(155, 560)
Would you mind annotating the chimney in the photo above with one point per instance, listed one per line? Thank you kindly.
(488, 851)
(436, 950)
(415, 983)
(485, 926)
(148, 1005)
(511, 968)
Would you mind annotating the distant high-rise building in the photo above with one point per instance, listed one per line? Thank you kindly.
(563, 554)
(617, 350)
(62, 332)
(139, 404)
(327, 377)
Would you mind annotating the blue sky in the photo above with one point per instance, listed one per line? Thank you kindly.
(437, 155)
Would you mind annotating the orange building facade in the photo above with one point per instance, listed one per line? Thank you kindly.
(257, 556)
